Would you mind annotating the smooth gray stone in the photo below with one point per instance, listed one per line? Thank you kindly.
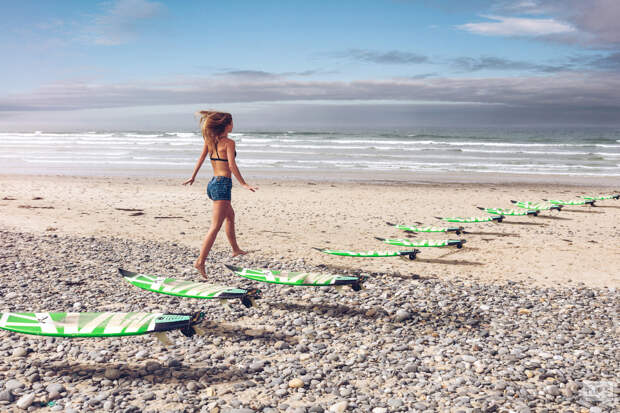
(6, 396)
(402, 315)
(25, 401)
(13, 385)
(20, 352)
(55, 387)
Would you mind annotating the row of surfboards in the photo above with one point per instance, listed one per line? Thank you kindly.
(108, 324)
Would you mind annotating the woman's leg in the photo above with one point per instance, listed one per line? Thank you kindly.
(219, 214)
(229, 226)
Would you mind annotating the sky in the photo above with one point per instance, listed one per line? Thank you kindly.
(149, 65)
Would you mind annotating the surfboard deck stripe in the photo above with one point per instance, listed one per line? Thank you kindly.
(370, 254)
(409, 228)
(423, 243)
(184, 288)
(509, 212)
(600, 197)
(105, 324)
(571, 202)
(295, 278)
(469, 220)
(536, 206)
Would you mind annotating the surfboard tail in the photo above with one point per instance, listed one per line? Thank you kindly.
(126, 273)
(233, 268)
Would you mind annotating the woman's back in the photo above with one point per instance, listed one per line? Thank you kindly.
(219, 158)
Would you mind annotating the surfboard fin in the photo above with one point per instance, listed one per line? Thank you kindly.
(163, 338)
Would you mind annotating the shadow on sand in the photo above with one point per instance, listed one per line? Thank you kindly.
(585, 211)
(497, 234)
(447, 262)
(207, 375)
(244, 333)
(538, 224)
(335, 309)
(555, 217)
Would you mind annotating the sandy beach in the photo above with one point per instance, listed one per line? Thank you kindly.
(285, 219)
(520, 319)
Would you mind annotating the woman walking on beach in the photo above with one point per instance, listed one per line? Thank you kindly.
(215, 128)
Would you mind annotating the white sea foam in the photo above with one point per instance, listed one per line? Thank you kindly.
(579, 154)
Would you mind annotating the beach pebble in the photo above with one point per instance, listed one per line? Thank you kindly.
(20, 352)
(112, 373)
(296, 383)
(25, 401)
(6, 396)
(13, 384)
(402, 315)
(339, 407)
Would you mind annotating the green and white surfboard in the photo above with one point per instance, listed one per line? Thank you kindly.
(189, 289)
(298, 278)
(600, 197)
(471, 220)
(411, 254)
(457, 230)
(536, 206)
(424, 243)
(509, 212)
(98, 324)
(572, 202)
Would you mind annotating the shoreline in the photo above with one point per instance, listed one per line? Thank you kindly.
(360, 177)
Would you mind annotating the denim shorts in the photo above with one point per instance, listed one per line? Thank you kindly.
(219, 188)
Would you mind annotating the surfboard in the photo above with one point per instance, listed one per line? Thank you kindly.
(189, 289)
(298, 278)
(536, 206)
(601, 197)
(470, 220)
(571, 202)
(411, 254)
(509, 212)
(106, 324)
(424, 242)
(457, 230)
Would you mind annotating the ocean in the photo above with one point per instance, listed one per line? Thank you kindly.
(571, 152)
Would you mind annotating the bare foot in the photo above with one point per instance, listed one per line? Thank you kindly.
(201, 268)
(239, 252)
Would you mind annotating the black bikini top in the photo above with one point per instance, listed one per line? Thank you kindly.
(218, 156)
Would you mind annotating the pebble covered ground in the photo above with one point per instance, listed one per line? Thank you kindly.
(405, 343)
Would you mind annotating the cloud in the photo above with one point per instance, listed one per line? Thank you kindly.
(390, 57)
(608, 62)
(594, 23)
(121, 22)
(250, 74)
(576, 90)
(517, 26)
(471, 64)
(260, 74)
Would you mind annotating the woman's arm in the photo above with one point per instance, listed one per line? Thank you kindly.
(203, 155)
(230, 154)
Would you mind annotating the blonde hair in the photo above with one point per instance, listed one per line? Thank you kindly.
(213, 125)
